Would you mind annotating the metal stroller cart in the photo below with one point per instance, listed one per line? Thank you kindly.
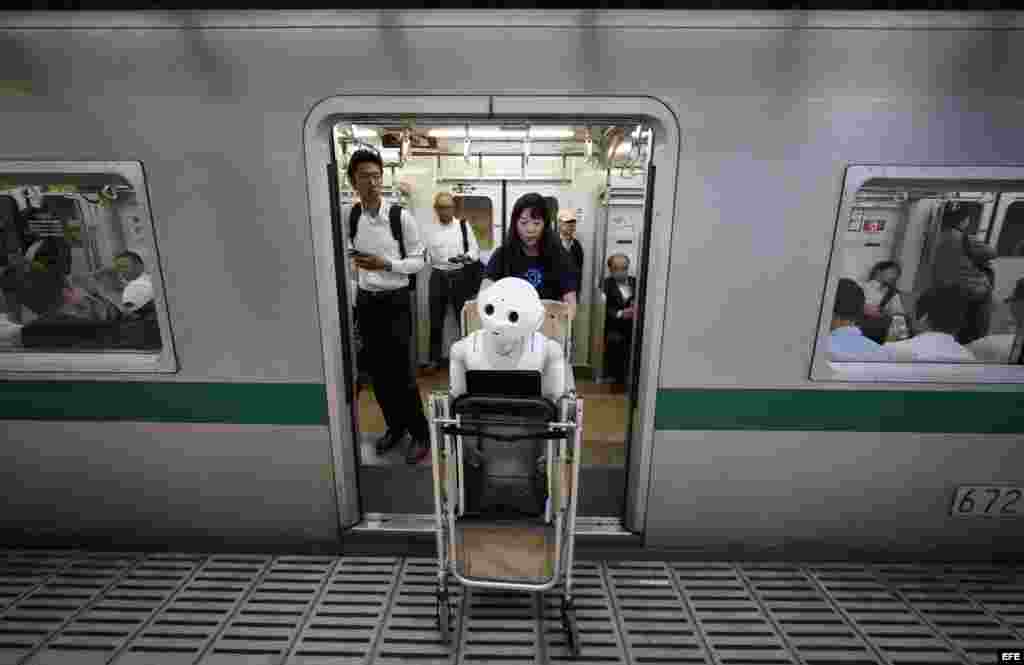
(506, 468)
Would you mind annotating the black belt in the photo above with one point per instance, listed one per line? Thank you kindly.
(391, 294)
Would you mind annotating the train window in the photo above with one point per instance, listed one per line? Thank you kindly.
(915, 292)
(1011, 234)
(80, 287)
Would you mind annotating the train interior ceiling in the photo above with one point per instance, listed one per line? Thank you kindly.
(595, 171)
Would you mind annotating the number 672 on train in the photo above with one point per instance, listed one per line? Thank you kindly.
(987, 501)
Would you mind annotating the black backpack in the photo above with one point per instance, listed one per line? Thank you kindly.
(474, 272)
(395, 216)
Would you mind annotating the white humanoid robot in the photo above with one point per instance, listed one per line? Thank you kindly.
(511, 314)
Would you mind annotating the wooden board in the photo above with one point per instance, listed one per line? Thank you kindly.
(512, 552)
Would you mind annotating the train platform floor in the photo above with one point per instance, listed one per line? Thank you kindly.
(61, 607)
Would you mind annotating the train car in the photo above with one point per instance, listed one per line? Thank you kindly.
(178, 359)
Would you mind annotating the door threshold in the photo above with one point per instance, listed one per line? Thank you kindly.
(398, 523)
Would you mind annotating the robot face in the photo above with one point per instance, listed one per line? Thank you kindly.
(511, 309)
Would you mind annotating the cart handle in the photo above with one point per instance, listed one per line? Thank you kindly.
(450, 429)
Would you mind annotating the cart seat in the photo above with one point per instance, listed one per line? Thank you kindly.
(504, 439)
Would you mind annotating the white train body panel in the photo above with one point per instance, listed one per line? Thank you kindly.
(769, 111)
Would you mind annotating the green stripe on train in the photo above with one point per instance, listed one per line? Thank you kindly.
(240, 403)
(841, 410)
(677, 409)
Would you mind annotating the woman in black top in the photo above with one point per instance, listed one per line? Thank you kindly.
(531, 251)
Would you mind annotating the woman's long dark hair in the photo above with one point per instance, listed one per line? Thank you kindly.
(552, 255)
(881, 267)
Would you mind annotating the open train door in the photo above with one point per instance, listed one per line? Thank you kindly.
(348, 389)
(635, 367)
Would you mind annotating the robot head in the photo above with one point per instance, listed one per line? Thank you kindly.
(511, 309)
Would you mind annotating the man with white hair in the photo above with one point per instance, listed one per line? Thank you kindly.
(453, 252)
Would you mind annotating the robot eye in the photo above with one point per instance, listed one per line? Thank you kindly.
(489, 310)
(513, 316)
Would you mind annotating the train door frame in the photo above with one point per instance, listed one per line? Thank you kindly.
(456, 107)
(1008, 269)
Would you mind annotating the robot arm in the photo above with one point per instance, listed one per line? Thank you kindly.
(554, 379)
(457, 369)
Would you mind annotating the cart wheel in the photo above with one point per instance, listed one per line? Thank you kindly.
(444, 617)
(572, 630)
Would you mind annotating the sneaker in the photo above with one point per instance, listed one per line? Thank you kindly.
(417, 451)
(388, 441)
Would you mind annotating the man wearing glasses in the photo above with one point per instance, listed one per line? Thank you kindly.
(386, 249)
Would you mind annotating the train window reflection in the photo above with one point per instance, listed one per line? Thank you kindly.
(76, 266)
(928, 276)
(1011, 237)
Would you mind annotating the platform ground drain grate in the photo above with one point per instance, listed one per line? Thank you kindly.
(82, 608)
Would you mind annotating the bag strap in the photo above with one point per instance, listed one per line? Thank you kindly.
(353, 221)
(890, 294)
(396, 225)
(465, 236)
(396, 228)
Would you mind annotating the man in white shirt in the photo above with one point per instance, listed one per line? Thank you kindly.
(384, 305)
(999, 348)
(452, 247)
(942, 312)
(847, 342)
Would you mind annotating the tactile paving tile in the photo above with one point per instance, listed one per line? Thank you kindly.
(81, 608)
(899, 635)
(21, 571)
(1000, 591)
(411, 633)
(814, 630)
(654, 622)
(972, 631)
(500, 625)
(595, 617)
(31, 622)
(349, 614)
(731, 620)
(95, 635)
(272, 615)
(184, 629)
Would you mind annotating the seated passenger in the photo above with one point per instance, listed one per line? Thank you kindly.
(882, 304)
(138, 291)
(847, 343)
(511, 314)
(941, 313)
(998, 348)
(532, 252)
